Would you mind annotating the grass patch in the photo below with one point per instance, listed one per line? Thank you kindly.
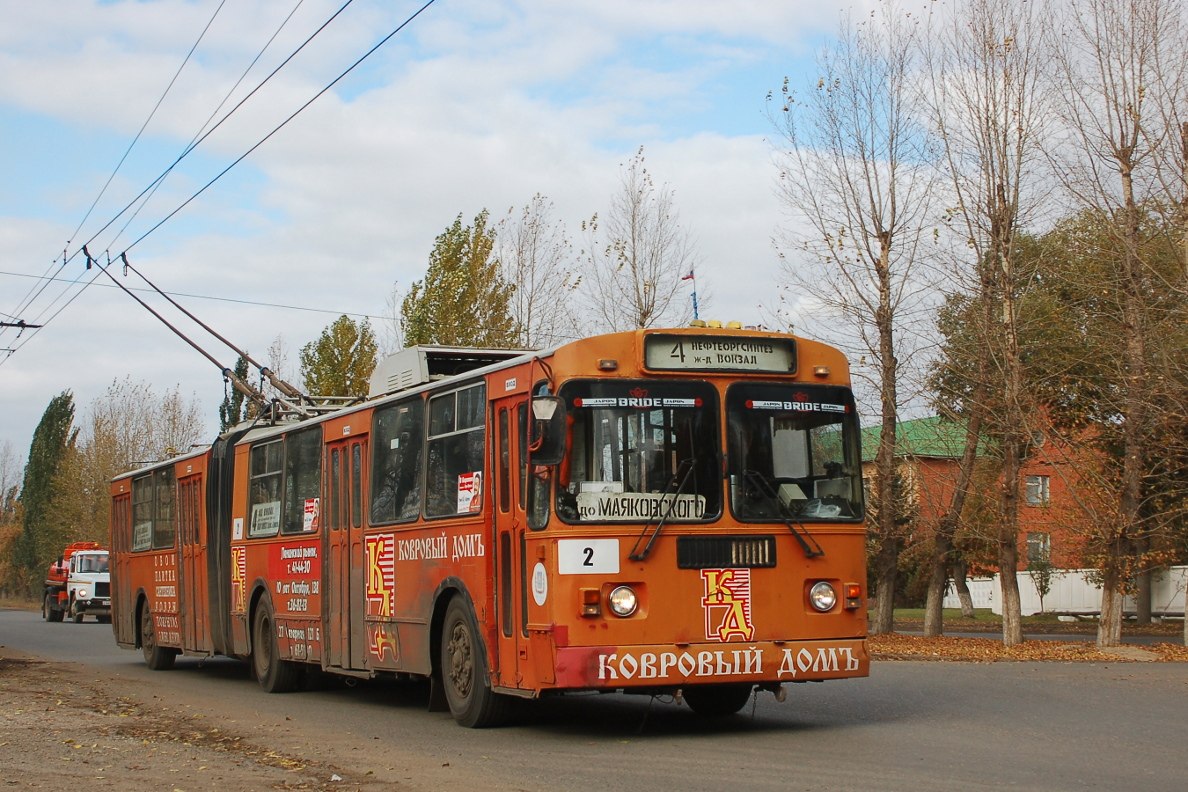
(19, 603)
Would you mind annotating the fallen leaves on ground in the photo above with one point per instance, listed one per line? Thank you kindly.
(894, 646)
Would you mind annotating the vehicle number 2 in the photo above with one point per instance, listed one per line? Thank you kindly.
(587, 556)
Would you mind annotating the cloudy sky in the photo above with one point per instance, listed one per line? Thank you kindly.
(474, 104)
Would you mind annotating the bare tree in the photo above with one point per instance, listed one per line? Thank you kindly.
(1121, 82)
(280, 359)
(391, 339)
(639, 252)
(139, 427)
(537, 260)
(856, 171)
(11, 472)
(985, 71)
(129, 426)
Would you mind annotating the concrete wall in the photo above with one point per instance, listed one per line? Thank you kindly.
(1072, 593)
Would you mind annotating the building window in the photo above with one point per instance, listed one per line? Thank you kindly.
(1039, 547)
(1037, 490)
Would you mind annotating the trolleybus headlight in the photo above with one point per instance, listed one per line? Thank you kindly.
(822, 596)
(622, 601)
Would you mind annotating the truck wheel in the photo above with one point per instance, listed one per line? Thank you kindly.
(273, 674)
(463, 671)
(76, 615)
(158, 658)
(52, 613)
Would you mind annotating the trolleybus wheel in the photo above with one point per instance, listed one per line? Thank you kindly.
(158, 658)
(273, 674)
(715, 701)
(464, 671)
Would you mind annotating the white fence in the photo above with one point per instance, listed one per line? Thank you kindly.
(1072, 593)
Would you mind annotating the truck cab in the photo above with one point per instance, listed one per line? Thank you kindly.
(88, 585)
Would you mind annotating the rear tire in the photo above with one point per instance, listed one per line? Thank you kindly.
(51, 613)
(464, 676)
(158, 658)
(717, 701)
(273, 674)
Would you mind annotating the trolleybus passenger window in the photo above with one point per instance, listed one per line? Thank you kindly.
(164, 529)
(356, 485)
(264, 503)
(335, 518)
(142, 513)
(303, 481)
(504, 463)
(456, 451)
(399, 431)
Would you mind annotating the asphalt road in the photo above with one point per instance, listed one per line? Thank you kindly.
(910, 726)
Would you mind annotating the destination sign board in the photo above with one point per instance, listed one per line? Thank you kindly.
(667, 352)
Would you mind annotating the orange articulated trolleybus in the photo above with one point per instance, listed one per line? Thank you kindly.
(658, 511)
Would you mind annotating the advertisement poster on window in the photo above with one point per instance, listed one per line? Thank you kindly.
(470, 492)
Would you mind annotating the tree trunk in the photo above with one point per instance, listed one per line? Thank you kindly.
(886, 568)
(1008, 547)
(1134, 416)
(1142, 591)
(937, 583)
(1012, 620)
(961, 583)
(885, 462)
(947, 527)
(1109, 626)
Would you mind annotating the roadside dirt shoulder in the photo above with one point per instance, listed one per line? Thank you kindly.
(65, 728)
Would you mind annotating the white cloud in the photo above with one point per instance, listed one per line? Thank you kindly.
(477, 104)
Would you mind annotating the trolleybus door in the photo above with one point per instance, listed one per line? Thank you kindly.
(192, 539)
(511, 604)
(123, 611)
(345, 642)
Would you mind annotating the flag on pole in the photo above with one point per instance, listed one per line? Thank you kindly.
(688, 276)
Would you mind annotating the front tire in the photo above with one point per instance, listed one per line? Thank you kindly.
(76, 615)
(717, 701)
(158, 658)
(273, 674)
(464, 676)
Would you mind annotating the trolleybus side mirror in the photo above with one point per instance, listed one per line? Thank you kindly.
(547, 440)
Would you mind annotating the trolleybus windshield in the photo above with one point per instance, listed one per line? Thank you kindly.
(632, 443)
(793, 453)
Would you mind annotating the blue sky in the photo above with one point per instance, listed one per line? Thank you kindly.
(476, 104)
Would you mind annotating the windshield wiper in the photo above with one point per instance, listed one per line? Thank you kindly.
(683, 472)
(808, 543)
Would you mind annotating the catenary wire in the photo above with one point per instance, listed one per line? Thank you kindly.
(235, 162)
(195, 139)
(36, 292)
(67, 257)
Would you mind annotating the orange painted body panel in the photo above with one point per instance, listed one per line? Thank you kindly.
(358, 598)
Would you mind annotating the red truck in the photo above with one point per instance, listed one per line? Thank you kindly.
(78, 583)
